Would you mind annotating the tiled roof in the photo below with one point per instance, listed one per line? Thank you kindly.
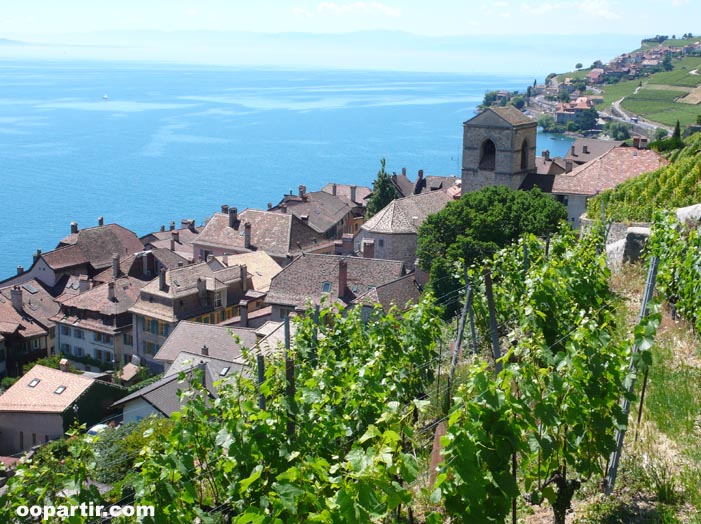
(403, 185)
(314, 277)
(37, 302)
(220, 341)
(323, 210)
(11, 321)
(542, 182)
(405, 215)
(608, 170)
(261, 268)
(512, 115)
(549, 166)
(94, 246)
(126, 291)
(42, 397)
(217, 369)
(594, 147)
(399, 293)
(133, 265)
(362, 193)
(275, 233)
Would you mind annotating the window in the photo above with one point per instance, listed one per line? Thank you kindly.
(326, 287)
(59, 390)
(224, 371)
(488, 155)
(163, 329)
(35, 343)
(77, 351)
(78, 333)
(34, 439)
(65, 330)
(65, 349)
(524, 154)
(381, 242)
(3, 356)
(218, 298)
(102, 338)
(150, 348)
(127, 339)
(34, 382)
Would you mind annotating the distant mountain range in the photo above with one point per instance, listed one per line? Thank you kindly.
(389, 50)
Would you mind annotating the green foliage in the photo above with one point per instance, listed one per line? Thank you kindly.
(679, 274)
(518, 102)
(549, 125)
(587, 119)
(661, 133)
(661, 105)
(618, 130)
(145, 382)
(578, 66)
(383, 191)
(489, 98)
(479, 224)
(7, 382)
(675, 185)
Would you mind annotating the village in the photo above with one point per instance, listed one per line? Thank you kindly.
(118, 309)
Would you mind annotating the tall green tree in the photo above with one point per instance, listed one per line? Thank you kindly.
(475, 227)
(383, 191)
(587, 119)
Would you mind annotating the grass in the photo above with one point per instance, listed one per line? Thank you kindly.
(617, 91)
(680, 75)
(574, 75)
(673, 42)
(660, 105)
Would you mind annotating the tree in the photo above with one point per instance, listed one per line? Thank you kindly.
(547, 122)
(587, 119)
(598, 64)
(489, 98)
(578, 66)
(661, 133)
(518, 102)
(383, 191)
(677, 134)
(667, 63)
(476, 226)
(617, 130)
(698, 120)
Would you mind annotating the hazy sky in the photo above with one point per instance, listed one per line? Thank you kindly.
(28, 18)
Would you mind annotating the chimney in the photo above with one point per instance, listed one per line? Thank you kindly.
(545, 154)
(421, 174)
(585, 149)
(233, 216)
(643, 142)
(83, 284)
(163, 228)
(36, 256)
(573, 151)
(243, 313)
(368, 248)
(16, 298)
(247, 235)
(20, 270)
(225, 259)
(172, 225)
(115, 266)
(100, 221)
(64, 365)
(333, 189)
(404, 171)
(172, 243)
(347, 243)
(202, 290)
(568, 166)
(244, 277)
(162, 279)
(636, 142)
(225, 209)
(205, 351)
(302, 191)
(342, 277)
(110, 292)
(353, 190)
(74, 228)
(283, 207)
(270, 205)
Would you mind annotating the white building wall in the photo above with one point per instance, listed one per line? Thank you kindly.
(137, 409)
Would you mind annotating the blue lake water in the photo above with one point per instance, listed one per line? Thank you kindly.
(174, 142)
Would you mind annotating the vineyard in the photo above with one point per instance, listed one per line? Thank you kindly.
(341, 426)
(675, 185)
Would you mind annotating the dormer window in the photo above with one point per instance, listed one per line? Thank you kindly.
(59, 390)
(34, 382)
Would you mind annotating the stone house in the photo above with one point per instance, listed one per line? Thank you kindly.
(45, 402)
(280, 235)
(327, 214)
(584, 150)
(208, 292)
(25, 323)
(614, 167)
(176, 240)
(83, 252)
(499, 147)
(329, 279)
(393, 231)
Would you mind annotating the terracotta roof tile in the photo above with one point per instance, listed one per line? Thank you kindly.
(323, 210)
(42, 398)
(316, 277)
(608, 170)
(126, 291)
(38, 303)
(405, 215)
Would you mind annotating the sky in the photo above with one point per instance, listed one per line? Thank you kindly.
(498, 36)
(29, 18)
